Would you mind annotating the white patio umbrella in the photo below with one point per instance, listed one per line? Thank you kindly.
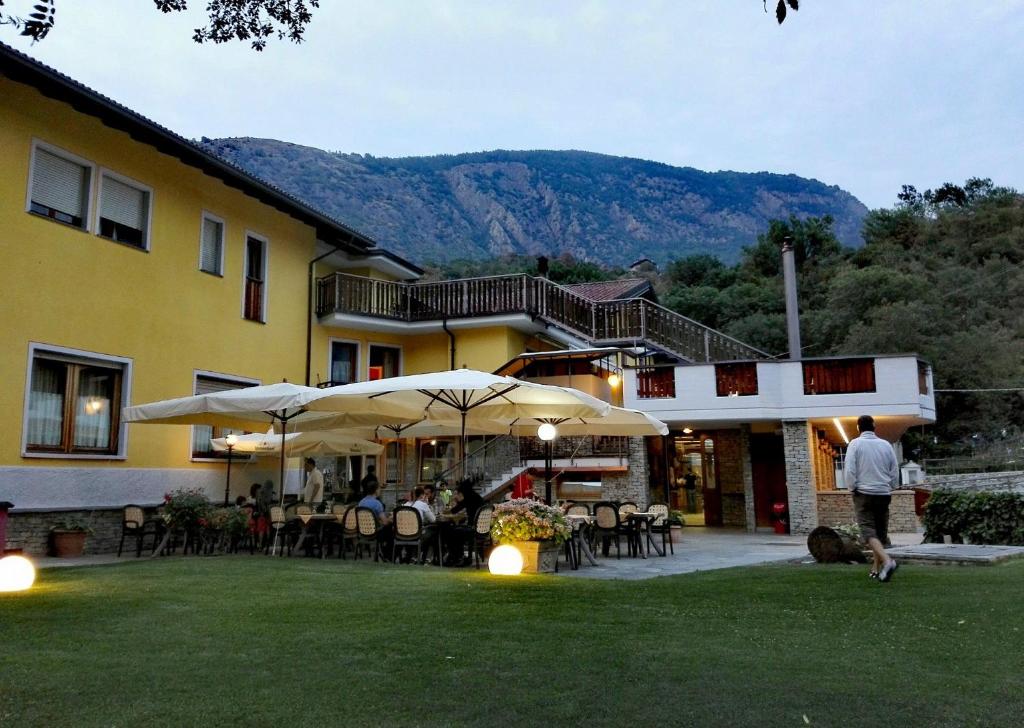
(254, 408)
(619, 422)
(465, 396)
(324, 442)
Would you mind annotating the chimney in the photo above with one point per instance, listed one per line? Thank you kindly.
(792, 308)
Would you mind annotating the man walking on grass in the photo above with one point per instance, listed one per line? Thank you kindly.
(871, 473)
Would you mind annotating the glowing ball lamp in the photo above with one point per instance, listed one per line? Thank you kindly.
(16, 574)
(505, 560)
(547, 432)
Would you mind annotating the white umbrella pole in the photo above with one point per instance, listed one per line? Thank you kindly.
(284, 430)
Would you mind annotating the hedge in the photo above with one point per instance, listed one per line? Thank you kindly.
(985, 518)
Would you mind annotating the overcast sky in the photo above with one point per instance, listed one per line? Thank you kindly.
(867, 96)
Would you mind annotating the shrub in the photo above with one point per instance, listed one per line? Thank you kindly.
(985, 518)
(186, 508)
(524, 519)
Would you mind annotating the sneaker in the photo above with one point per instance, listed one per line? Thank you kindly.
(888, 570)
(872, 574)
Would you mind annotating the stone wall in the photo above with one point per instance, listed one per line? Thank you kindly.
(634, 484)
(1008, 481)
(732, 453)
(835, 508)
(30, 530)
(800, 487)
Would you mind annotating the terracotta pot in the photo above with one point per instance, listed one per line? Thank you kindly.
(68, 544)
(539, 557)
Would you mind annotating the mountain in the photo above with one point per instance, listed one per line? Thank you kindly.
(599, 208)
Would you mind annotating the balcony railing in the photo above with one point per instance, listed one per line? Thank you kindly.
(624, 321)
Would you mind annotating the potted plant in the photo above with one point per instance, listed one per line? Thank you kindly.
(187, 510)
(534, 528)
(67, 538)
(676, 521)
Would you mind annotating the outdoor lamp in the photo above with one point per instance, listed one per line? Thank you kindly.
(16, 574)
(231, 440)
(614, 381)
(547, 432)
(505, 560)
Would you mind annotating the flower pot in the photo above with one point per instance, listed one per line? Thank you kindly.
(676, 534)
(539, 557)
(68, 544)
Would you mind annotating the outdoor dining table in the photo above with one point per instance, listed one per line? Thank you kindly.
(644, 520)
(579, 523)
(314, 521)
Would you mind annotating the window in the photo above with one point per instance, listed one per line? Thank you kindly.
(839, 376)
(124, 211)
(202, 448)
(736, 380)
(344, 362)
(436, 457)
(922, 377)
(253, 307)
(385, 362)
(655, 382)
(60, 187)
(393, 462)
(211, 245)
(74, 404)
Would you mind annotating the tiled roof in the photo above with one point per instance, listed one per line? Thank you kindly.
(611, 290)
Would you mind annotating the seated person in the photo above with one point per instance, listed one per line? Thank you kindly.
(432, 500)
(469, 501)
(375, 504)
(427, 516)
(419, 502)
(385, 535)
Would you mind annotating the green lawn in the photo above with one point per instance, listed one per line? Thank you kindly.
(291, 642)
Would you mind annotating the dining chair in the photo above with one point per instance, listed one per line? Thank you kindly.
(408, 532)
(578, 509)
(135, 524)
(349, 531)
(608, 526)
(661, 525)
(368, 533)
(281, 530)
(482, 532)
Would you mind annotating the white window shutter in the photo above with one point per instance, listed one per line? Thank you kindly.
(123, 204)
(59, 184)
(210, 249)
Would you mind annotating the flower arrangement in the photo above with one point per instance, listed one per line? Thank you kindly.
(186, 508)
(524, 519)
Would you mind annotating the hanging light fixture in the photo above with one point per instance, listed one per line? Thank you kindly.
(547, 432)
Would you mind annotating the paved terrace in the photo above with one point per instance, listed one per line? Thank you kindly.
(702, 549)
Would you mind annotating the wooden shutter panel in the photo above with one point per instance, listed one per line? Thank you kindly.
(59, 184)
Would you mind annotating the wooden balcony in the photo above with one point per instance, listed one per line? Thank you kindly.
(623, 322)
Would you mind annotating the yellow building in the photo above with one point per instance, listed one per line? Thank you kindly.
(139, 267)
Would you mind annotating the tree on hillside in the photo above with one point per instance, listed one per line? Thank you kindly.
(255, 21)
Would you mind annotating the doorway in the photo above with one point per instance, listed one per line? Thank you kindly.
(768, 468)
(693, 479)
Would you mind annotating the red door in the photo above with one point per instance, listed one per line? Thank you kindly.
(768, 468)
(712, 493)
